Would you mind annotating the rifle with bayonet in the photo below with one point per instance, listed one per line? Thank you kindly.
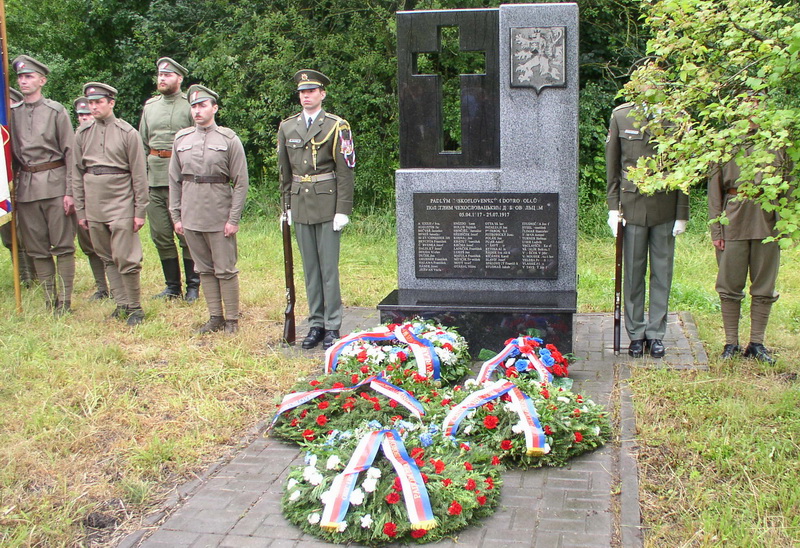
(618, 285)
(288, 269)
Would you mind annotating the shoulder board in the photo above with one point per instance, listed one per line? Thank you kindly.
(292, 117)
(84, 127)
(123, 125)
(623, 106)
(53, 105)
(17, 105)
(185, 131)
(153, 99)
(184, 96)
(227, 132)
(342, 123)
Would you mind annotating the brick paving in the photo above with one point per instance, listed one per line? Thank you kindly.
(592, 502)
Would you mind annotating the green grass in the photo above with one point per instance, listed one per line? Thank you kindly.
(96, 417)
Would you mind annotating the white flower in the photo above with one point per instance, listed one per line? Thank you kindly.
(295, 495)
(308, 471)
(546, 448)
(333, 462)
(342, 527)
(366, 521)
(517, 428)
(470, 382)
(596, 430)
(291, 483)
(467, 429)
(563, 399)
(357, 496)
(511, 407)
(315, 479)
(445, 356)
(567, 422)
(314, 518)
(312, 460)
(325, 498)
(370, 484)
(373, 473)
(584, 409)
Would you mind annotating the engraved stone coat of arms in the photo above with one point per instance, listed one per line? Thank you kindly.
(537, 57)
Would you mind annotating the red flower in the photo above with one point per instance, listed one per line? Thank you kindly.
(576, 413)
(489, 406)
(545, 393)
(364, 369)
(468, 466)
(303, 413)
(445, 402)
(446, 481)
(396, 418)
(512, 373)
(397, 486)
(419, 462)
(393, 497)
(548, 430)
(348, 406)
(489, 483)
(495, 460)
(551, 347)
(419, 378)
(578, 437)
(579, 398)
(418, 533)
(323, 405)
(315, 382)
(322, 420)
(454, 509)
(424, 477)
(481, 500)
(526, 349)
(505, 445)
(491, 422)
(338, 385)
(470, 486)
(354, 378)
(448, 346)
(402, 356)
(294, 422)
(417, 452)
(308, 434)
(390, 529)
(392, 404)
(362, 356)
(464, 447)
(438, 466)
(376, 406)
(505, 397)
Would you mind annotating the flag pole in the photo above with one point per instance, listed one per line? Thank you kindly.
(6, 100)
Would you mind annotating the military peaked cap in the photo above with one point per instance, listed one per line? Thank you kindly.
(198, 94)
(310, 79)
(24, 64)
(81, 105)
(165, 64)
(98, 90)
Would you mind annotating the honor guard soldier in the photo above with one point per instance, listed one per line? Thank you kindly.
(43, 144)
(651, 223)
(84, 114)
(111, 197)
(163, 116)
(316, 161)
(208, 184)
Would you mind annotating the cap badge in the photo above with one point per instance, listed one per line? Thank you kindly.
(304, 76)
(164, 65)
(91, 90)
(194, 95)
(21, 65)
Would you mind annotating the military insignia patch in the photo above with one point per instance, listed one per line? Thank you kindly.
(346, 147)
(20, 65)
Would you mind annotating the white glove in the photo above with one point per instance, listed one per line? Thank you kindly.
(288, 216)
(613, 221)
(339, 221)
(679, 227)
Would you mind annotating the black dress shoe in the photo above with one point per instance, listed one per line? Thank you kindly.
(315, 335)
(636, 348)
(330, 337)
(656, 348)
(730, 351)
(758, 352)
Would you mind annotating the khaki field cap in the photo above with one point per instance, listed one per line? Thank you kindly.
(24, 64)
(165, 64)
(15, 96)
(81, 105)
(310, 79)
(98, 90)
(198, 94)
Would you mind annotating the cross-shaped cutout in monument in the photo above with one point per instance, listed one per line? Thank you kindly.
(448, 64)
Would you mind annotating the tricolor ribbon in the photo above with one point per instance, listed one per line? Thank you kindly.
(534, 435)
(424, 352)
(511, 350)
(376, 382)
(332, 354)
(415, 493)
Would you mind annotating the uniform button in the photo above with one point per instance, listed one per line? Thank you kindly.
(305, 161)
(306, 190)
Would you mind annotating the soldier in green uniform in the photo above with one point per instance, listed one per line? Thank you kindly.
(43, 143)
(111, 197)
(316, 161)
(26, 270)
(207, 189)
(163, 116)
(651, 224)
(84, 115)
(740, 248)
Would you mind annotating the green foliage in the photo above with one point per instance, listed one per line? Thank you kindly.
(726, 79)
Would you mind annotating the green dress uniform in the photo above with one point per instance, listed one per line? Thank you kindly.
(110, 191)
(316, 177)
(648, 229)
(744, 252)
(43, 144)
(162, 117)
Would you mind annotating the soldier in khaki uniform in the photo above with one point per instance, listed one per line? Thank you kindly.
(111, 197)
(651, 224)
(43, 144)
(207, 189)
(316, 161)
(96, 264)
(26, 270)
(163, 116)
(739, 248)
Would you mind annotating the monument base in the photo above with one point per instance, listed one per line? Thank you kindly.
(486, 319)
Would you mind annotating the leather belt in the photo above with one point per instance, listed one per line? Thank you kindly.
(313, 178)
(204, 178)
(106, 170)
(36, 168)
(161, 153)
(732, 191)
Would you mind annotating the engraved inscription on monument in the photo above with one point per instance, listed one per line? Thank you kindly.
(537, 57)
(486, 235)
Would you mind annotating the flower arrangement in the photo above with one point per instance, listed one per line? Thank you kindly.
(427, 435)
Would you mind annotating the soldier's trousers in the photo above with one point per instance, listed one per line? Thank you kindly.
(319, 249)
(121, 250)
(162, 230)
(215, 260)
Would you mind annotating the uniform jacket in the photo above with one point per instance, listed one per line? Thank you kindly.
(41, 132)
(207, 151)
(747, 221)
(320, 149)
(103, 198)
(162, 117)
(625, 144)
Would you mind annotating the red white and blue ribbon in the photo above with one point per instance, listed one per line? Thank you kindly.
(401, 396)
(424, 352)
(332, 354)
(534, 435)
(415, 493)
(513, 349)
